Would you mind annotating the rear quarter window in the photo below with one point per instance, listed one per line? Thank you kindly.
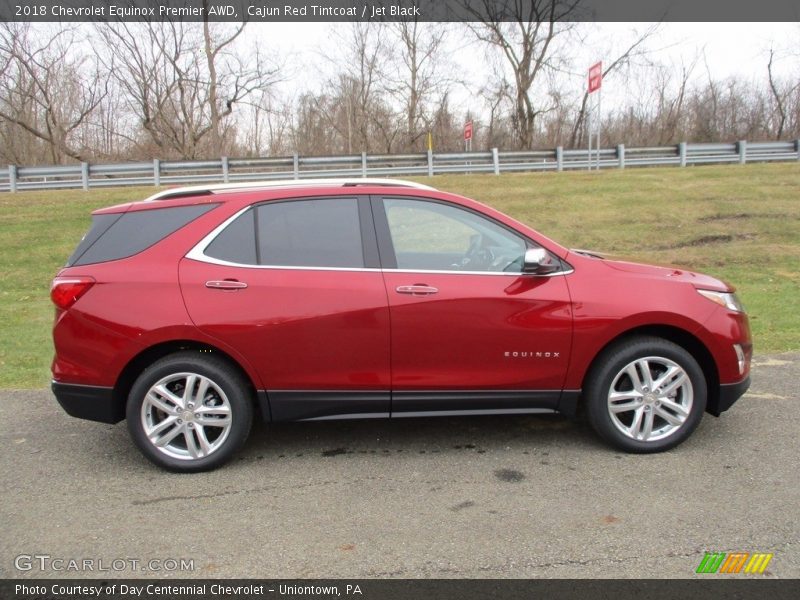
(116, 236)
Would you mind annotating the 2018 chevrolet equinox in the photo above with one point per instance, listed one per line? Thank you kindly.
(193, 310)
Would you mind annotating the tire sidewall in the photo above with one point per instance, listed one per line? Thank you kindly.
(223, 376)
(609, 366)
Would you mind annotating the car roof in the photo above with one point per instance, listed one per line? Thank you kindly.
(214, 193)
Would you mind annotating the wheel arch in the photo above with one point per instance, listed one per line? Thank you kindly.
(686, 340)
(149, 355)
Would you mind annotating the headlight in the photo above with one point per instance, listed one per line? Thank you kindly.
(726, 299)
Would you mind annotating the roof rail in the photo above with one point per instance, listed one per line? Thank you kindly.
(223, 188)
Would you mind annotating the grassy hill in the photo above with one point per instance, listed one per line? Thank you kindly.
(739, 223)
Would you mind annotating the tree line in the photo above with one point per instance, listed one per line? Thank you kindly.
(176, 90)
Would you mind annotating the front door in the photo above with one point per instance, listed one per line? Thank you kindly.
(470, 331)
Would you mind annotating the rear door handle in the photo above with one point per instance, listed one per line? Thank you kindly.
(226, 284)
(418, 289)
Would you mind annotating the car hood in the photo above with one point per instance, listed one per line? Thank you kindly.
(698, 280)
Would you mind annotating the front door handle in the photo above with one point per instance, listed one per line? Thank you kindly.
(226, 284)
(418, 289)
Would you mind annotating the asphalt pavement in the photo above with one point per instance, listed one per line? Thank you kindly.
(533, 496)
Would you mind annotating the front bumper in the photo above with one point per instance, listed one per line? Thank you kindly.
(89, 402)
(728, 394)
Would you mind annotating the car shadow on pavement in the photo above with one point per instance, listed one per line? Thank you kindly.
(414, 436)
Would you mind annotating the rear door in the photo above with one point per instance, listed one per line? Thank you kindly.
(470, 331)
(294, 286)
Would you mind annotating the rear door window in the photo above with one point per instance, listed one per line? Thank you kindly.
(237, 242)
(323, 232)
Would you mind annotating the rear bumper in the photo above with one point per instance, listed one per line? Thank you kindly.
(728, 394)
(89, 402)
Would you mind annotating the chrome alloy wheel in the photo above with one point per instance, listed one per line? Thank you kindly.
(650, 399)
(186, 416)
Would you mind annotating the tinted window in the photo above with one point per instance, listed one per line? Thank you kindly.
(237, 242)
(132, 232)
(434, 236)
(310, 233)
(100, 224)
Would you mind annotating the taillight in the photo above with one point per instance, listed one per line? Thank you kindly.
(65, 291)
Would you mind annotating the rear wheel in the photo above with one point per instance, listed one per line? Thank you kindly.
(645, 394)
(189, 412)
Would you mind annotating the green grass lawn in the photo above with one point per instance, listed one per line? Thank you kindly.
(739, 223)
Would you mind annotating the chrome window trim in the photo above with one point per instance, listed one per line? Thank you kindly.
(198, 250)
(198, 253)
(494, 273)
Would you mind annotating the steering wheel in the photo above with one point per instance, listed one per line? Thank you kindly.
(515, 266)
(477, 258)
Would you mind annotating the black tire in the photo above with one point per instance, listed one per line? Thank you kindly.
(224, 392)
(610, 369)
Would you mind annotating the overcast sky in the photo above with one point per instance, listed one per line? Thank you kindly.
(728, 49)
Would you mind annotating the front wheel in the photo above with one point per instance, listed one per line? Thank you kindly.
(645, 394)
(189, 412)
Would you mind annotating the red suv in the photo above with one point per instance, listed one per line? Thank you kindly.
(192, 310)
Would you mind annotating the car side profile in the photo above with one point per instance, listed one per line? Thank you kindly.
(193, 311)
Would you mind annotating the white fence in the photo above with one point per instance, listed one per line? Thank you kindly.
(157, 172)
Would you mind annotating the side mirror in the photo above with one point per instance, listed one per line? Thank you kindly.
(539, 262)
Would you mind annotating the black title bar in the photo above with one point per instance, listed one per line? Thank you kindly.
(264, 11)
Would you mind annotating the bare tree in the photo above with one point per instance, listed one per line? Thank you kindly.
(781, 95)
(527, 43)
(670, 108)
(358, 84)
(446, 126)
(419, 82)
(623, 58)
(192, 90)
(269, 127)
(354, 104)
(495, 97)
(314, 130)
(47, 90)
(184, 81)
